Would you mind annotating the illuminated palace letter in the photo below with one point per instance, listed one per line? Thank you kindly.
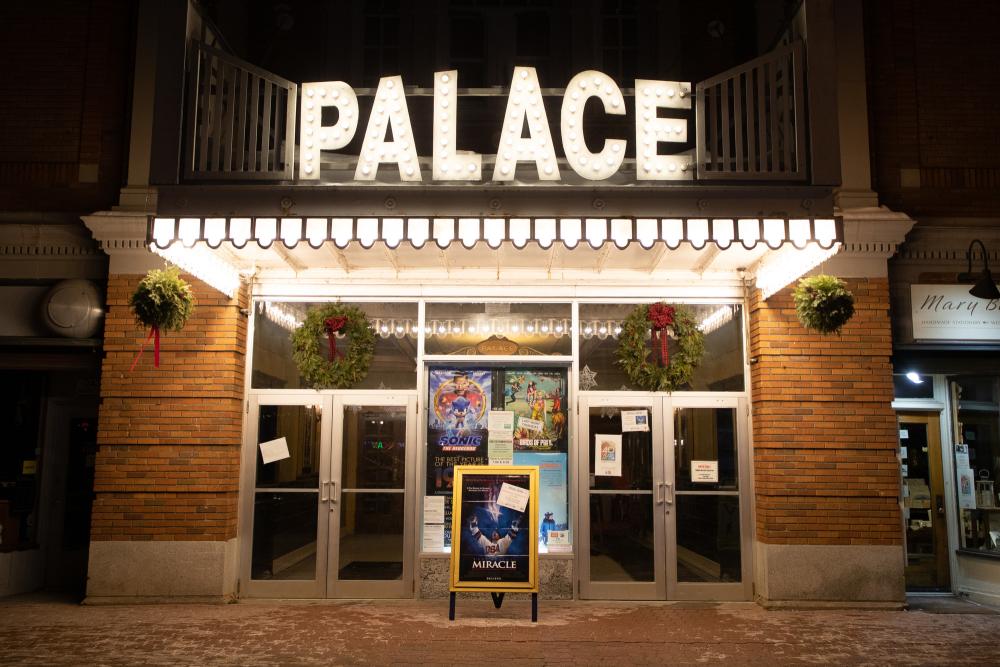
(450, 164)
(525, 101)
(313, 135)
(649, 129)
(592, 166)
(388, 113)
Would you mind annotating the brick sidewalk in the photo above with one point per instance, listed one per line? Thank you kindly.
(40, 632)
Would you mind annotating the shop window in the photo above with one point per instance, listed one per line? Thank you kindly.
(977, 461)
(459, 403)
(912, 385)
(394, 365)
(721, 367)
(500, 329)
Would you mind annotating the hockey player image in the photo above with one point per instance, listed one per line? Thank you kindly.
(493, 545)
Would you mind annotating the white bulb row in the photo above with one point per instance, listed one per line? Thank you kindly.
(525, 104)
(291, 318)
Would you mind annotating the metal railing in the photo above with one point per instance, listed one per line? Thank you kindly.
(751, 120)
(240, 123)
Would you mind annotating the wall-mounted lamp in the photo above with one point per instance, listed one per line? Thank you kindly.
(985, 287)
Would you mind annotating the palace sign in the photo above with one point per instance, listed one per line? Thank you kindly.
(535, 151)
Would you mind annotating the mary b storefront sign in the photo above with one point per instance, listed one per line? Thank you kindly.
(949, 313)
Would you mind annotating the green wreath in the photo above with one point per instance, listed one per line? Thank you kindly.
(323, 369)
(633, 351)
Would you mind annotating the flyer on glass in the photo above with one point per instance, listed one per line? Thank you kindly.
(607, 455)
(537, 398)
(457, 428)
(493, 539)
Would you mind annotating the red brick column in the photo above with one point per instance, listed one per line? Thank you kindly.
(167, 471)
(825, 468)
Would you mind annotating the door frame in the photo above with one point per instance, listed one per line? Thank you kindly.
(287, 588)
(936, 468)
(323, 585)
(666, 586)
(366, 588)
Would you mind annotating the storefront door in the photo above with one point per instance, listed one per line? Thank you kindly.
(330, 510)
(924, 514)
(663, 507)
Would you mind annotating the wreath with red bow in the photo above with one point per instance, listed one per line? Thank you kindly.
(314, 347)
(652, 367)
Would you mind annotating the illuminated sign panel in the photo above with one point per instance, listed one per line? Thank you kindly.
(532, 152)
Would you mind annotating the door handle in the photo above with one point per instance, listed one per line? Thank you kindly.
(324, 496)
(668, 497)
(940, 505)
(333, 493)
(659, 495)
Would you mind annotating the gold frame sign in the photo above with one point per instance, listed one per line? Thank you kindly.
(495, 532)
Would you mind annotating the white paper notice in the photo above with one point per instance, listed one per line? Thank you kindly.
(500, 450)
(530, 424)
(705, 471)
(434, 536)
(902, 452)
(434, 509)
(513, 497)
(274, 450)
(635, 420)
(962, 457)
(501, 421)
(607, 455)
(904, 434)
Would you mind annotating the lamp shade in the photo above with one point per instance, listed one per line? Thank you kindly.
(985, 288)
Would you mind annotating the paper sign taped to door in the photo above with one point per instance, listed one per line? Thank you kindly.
(705, 471)
(274, 450)
(635, 420)
(608, 455)
(513, 497)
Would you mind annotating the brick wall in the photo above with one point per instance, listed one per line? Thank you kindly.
(63, 102)
(933, 91)
(824, 433)
(168, 465)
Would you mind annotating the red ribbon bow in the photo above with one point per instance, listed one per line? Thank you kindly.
(154, 333)
(661, 316)
(331, 326)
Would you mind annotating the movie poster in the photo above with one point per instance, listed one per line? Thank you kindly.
(553, 498)
(458, 408)
(538, 400)
(495, 528)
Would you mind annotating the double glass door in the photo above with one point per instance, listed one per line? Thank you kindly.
(663, 508)
(332, 496)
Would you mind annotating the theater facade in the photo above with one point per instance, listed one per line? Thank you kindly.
(507, 280)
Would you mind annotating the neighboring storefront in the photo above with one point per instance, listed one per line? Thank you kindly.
(947, 397)
(500, 285)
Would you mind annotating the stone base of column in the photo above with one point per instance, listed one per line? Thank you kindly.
(123, 571)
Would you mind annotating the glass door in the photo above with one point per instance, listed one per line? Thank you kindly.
(706, 507)
(669, 518)
(622, 489)
(284, 554)
(369, 497)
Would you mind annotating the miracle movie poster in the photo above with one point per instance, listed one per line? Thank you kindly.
(496, 539)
